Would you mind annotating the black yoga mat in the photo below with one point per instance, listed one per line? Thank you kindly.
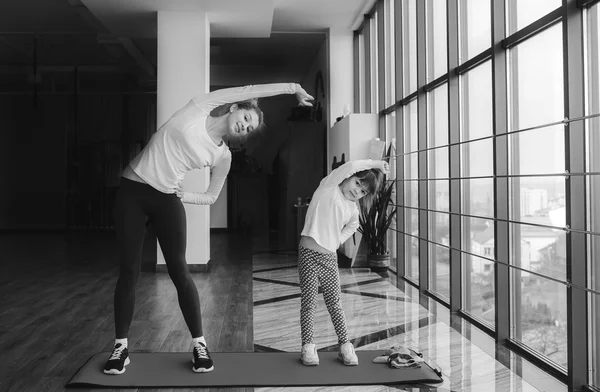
(172, 370)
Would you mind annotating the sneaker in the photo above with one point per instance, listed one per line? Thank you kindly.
(201, 360)
(347, 354)
(309, 355)
(117, 361)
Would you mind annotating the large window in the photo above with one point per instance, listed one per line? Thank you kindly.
(523, 12)
(475, 24)
(409, 46)
(593, 207)
(537, 194)
(411, 191)
(438, 191)
(477, 191)
(496, 143)
(437, 58)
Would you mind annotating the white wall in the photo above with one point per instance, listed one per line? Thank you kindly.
(341, 73)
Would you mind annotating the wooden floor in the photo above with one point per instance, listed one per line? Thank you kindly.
(56, 304)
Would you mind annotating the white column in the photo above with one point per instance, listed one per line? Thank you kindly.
(183, 72)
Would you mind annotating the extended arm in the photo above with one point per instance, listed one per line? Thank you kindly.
(208, 102)
(349, 168)
(217, 179)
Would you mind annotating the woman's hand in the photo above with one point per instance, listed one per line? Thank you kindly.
(179, 191)
(303, 97)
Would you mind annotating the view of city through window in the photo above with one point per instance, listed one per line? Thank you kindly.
(464, 159)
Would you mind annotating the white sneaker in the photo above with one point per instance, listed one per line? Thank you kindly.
(347, 354)
(309, 355)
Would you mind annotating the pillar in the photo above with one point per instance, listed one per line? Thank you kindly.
(182, 73)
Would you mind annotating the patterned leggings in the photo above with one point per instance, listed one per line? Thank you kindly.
(314, 268)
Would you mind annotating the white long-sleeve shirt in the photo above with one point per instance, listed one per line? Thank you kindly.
(183, 144)
(331, 218)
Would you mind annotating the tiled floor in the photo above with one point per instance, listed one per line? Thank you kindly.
(380, 315)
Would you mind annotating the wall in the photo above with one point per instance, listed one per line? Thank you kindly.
(40, 190)
(341, 64)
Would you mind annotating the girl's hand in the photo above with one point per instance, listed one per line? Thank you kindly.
(386, 168)
(303, 97)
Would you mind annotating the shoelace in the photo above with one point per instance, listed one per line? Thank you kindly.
(201, 351)
(116, 354)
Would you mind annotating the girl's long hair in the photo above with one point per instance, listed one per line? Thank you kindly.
(372, 180)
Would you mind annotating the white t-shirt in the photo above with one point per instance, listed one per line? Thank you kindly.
(183, 144)
(331, 218)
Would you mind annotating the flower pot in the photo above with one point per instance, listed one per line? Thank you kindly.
(378, 262)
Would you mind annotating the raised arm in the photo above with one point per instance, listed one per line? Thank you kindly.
(209, 101)
(349, 168)
(217, 179)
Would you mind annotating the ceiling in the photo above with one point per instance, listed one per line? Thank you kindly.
(253, 38)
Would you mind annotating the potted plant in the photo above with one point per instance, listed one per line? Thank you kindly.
(375, 220)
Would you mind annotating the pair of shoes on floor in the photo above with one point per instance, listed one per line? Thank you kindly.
(120, 358)
(309, 356)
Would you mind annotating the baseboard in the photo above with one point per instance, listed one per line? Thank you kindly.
(193, 267)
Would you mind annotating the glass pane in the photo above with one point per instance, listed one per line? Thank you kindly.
(437, 55)
(539, 151)
(540, 315)
(390, 54)
(539, 249)
(439, 195)
(374, 62)
(523, 12)
(475, 28)
(438, 163)
(409, 45)
(478, 197)
(410, 127)
(412, 258)
(411, 166)
(412, 243)
(439, 265)
(476, 102)
(539, 200)
(478, 288)
(477, 158)
(437, 100)
(536, 78)
(361, 72)
(411, 194)
(439, 228)
(478, 236)
(593, 161)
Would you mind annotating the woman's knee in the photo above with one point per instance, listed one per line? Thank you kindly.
(181, 277)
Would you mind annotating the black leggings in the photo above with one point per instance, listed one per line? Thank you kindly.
(134, 203)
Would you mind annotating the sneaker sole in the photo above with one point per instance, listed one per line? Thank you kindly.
(202, 370)
(308, 363)
(348, 363)
(116, 371)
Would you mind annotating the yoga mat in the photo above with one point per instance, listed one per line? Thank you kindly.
(173, 370)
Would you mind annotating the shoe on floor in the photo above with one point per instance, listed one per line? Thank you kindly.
(118, 360)
(201, 360)
(347, 354)
(309, 355)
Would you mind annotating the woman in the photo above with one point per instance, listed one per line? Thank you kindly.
(151, 188)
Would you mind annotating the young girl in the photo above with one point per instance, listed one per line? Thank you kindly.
(331, 219)
(151, 187)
